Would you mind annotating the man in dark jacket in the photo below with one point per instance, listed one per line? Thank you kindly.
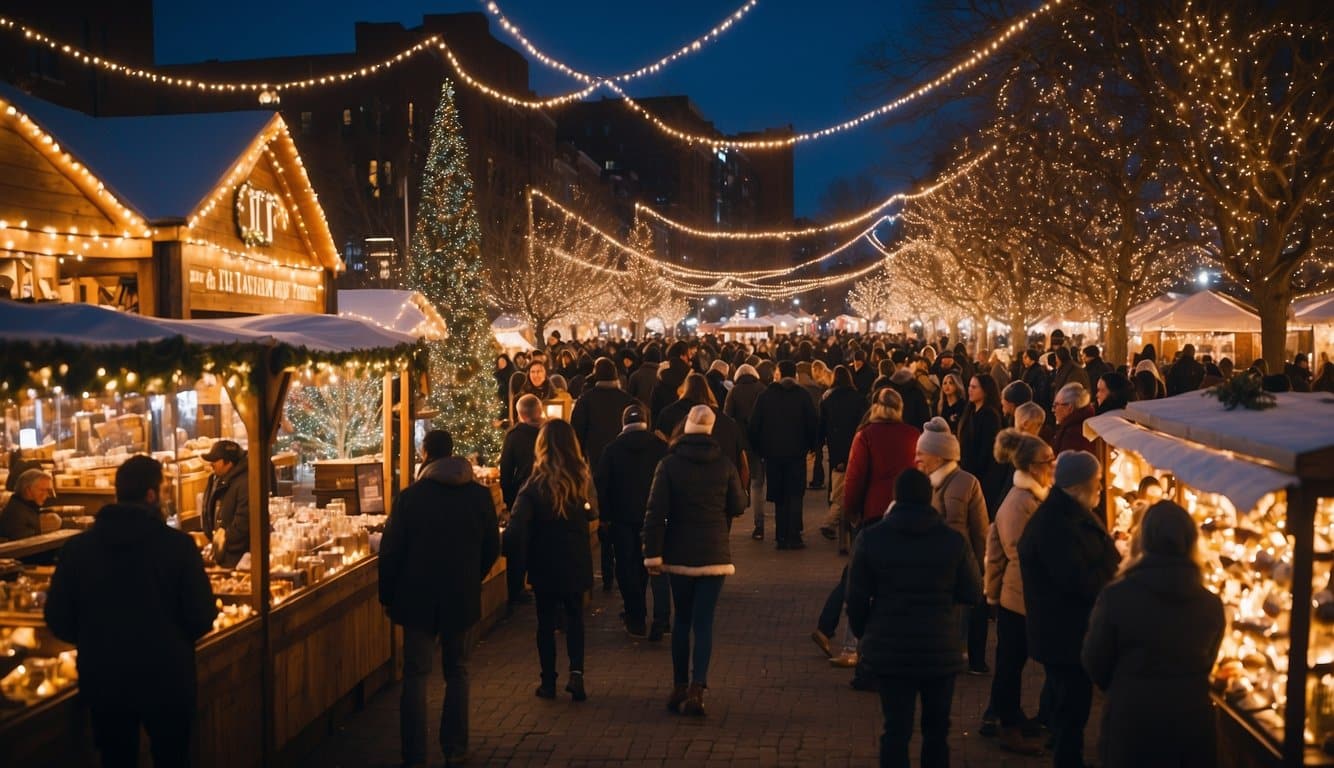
(596, 420)
(227, 503)
(1065, 559)
(1094, 365)
(739, 406)
(841, 411)
(863, 375)
(22, 516)
(909, 574)
(1186, 373)
(783, 429)
(916, 411)
(623, 477)
(1037, 378)
(517, 455)
(438, 546)
(645, 377)
(131, 594)
(670, 378)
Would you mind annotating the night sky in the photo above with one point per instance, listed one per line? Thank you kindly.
(786, 62)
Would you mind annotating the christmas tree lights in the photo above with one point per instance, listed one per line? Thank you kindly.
(446, 267)
(337, 417)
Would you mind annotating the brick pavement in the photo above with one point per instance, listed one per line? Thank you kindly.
(773, 698)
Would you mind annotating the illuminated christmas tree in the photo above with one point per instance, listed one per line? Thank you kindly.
(337, 418)
(446, 267)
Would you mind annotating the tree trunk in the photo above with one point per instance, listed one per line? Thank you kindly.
(1117, 341)
(1018, 333)
(1272, 301)
(979, 340)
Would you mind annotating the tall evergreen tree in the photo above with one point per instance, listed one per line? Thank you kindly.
(446, 267)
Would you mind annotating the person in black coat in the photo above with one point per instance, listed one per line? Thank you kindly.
(645, 377)
(554, 509)
(517, 455)
(978, 427)
(909, 574)
(1037, 378)
(863, 375)
(22, 516)
(783, 429)
(1094, 365)
(131, 594)
(717, 378)
(1151, 643)
(437, 548)
(1186, 373)
(623, 478)
(670, 378)
(916, 410)
(597, 420)
(226, 514)
(695, 494)
(841, 412)
(1066, 557)
(739, 406)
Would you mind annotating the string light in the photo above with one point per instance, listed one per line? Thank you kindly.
(784, 234)
(978, 56)
(648, 69)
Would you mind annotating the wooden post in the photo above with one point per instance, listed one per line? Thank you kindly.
(387, 442)
(1301, 526)
(406, 436)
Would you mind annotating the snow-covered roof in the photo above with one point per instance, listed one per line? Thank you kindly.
(1141, 312)
(1241, 454)
(323, 333)
(1204, 312)
(162, 166)
(403, 311)
(1317, 309)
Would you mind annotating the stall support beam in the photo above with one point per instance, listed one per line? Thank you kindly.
(387, 442)
(1301, 526)
(406, 438)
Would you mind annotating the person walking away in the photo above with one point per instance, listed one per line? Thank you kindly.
(1072, 407)
(1151, 643)
(438, 546)
(136, 656)
(645, 377)
(597, 420)
(1034, 466)
(740, 406)
(1186, 373)
(517, 455)
(556, 505)
(783, 429)
(841, 411)
(695, 494)
(623, 478)
(717, 378)
(916, 410)
(957, 498)
(1066, 557)
(908, 575)
(806, 378)
(670, 378)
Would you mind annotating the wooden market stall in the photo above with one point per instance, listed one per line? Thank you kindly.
(1317, 313)
(1261, 485)
(293, 638)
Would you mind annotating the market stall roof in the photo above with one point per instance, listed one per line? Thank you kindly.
(1317, 309)
(403, 311)
(320, 333)
(90, 325)
(1205, 312)
(509, 323)
(1141, 312)
(1196, 438)
(162, 166)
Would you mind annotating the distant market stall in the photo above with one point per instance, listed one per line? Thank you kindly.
(1317, 313)
(1217, 324)
(404, 311)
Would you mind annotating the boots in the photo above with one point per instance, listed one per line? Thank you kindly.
(1014, 740)
(694, 704)
(547, 690)
(576, 686)
(677, 698)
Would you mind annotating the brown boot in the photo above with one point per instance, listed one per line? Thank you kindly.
(678, 698)
(694, 704)
(1014, 740)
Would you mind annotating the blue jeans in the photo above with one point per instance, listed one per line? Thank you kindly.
(696, 599)
(418, 646)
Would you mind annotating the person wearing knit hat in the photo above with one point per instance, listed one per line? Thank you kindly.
(739, 406)
(957, 496)
(1066, 557)
(696, 491)
(718, 383)
(784, 427)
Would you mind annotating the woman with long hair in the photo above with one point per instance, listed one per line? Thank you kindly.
(1034, 465)
(977, 429)
(951, 400)
(555, 507)
(1151, 643)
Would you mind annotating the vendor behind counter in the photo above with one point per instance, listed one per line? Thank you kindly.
(22, 516)
(226, 513)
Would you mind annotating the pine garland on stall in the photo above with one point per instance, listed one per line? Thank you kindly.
(446, 268)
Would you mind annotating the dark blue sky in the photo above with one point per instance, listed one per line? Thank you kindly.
(787, 62)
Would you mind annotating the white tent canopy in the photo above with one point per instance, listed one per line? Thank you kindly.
(508, 331)
(403, 311)
(1137, 314)
(1204, 312)
(1317, 309)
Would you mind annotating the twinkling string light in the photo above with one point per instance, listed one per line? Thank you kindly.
(978, 56)
(648, 69)
(784, 234)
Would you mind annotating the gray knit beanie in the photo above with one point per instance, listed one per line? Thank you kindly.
(938, 440)
(1075, 468)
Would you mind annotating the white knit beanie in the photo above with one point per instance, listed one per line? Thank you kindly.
(938, 440)
(720, 367)
(699, 421)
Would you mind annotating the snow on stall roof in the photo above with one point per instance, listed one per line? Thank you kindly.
(323, 333)
(93, 326)
(1204, 312)
(1317, 309)
(162, 166)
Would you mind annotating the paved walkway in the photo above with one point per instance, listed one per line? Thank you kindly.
(773, 699)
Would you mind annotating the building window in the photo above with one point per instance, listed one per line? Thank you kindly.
(347, 117)
(373, 176)
(305, 122)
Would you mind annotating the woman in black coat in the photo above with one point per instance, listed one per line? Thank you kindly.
(554, 509)
(1151, 643)
(978, 426)
(695, 494)
(504, 370)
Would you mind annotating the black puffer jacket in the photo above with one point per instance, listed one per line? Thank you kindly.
(1065, 558)
(439, 544)
(132, 595)
(909, 574)
(784, 424)
(227, 506)
(517, 455)
(841, 412)
(597, 417)
(1151, 643)
(557, 550)
(670, 378)
(740, 403)
(916, 410)
(695, 494)
(625, 475)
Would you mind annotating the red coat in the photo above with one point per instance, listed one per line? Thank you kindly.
(1069, 435)
(880, 451)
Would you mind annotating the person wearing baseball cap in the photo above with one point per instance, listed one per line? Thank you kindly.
(226, 513)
